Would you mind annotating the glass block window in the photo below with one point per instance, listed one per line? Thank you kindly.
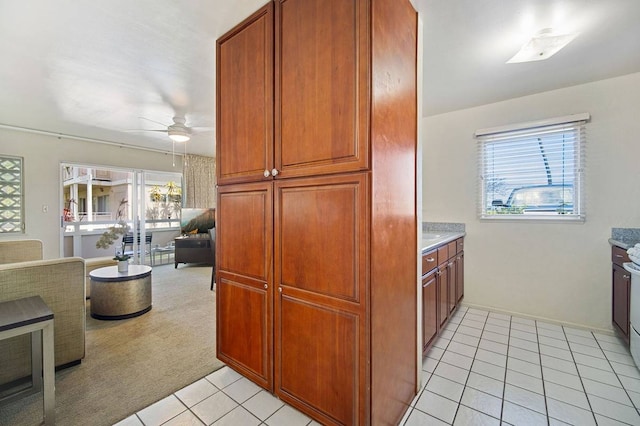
(11, 195)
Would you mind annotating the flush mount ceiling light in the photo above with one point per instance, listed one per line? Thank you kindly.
(544, 44)
(178, 135)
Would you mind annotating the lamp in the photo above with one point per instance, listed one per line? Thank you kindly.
(178, 135)
(544, 44)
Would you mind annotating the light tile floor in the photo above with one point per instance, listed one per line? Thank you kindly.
(485, 369)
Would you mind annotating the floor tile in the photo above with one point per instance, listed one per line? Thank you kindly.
(486, 384)
(606, 421)
(429, 364)
(586, 350)
(263, 405)
(491, 357)
(238, 416)
(602, 390)
(570, 413)
(498, 322)
(466, 339)
(500, 316)
(553, 342)
(496, 329)
(454, 321)
(288, 416)
(437, 406)
(577, 331)
(435, 352)
(614, 410)
(615, 347)
(607, 338)
(524, 367)
(214, 407)
(473, 317)
(531, 337)
(525, 381)
(635, 397)
(462, 349)
(469, 417)
(523, 344)
(452, 372)
(625, 370)
(521, 320)
(132, 420)
(587, 341)
(441, 343)
(223, 377)
(549, 326)
(517, 415)
(196, 392)
(242, 390)
(559, 364)
(562, 378)
(445, 387)
(470, 331)
(598, 375)
(556, 352)
(524, 355)
(187, 418)
(489, 345)
(418, 418)
(457, 360)
(495, 337)
(566, 395)
(488, 370)
(472, 323)
(161, 411)
(621, 358)
(523, 327)
(483, 402)
(447, 334)
(559, 335)
(591, 361)
(524, 398)
(630, 383)
(478, 312)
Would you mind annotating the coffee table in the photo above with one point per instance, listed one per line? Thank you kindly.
(120, 295)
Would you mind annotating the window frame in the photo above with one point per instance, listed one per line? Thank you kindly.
(22, 226)
(505, 134)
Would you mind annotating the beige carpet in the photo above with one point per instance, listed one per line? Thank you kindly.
(130, 364)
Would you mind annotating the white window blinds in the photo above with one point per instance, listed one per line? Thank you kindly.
(533, 171)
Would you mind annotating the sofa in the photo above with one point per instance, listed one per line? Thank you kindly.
(61, 284)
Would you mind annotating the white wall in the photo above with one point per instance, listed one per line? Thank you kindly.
(558, 271)
(42, 158)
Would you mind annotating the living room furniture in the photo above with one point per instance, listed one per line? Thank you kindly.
(60, 283)
(195, 248)
(92, 264)
(160, 252)
(30, 315)
(120, 295)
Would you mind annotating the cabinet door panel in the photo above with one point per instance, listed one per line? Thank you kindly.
(453, 283)
(244, 300)
(621, 299)
(429, 310)
(320, 239)
(317, 364)
(443, 293)
(459, 277)
(244, 147)
(321, 86)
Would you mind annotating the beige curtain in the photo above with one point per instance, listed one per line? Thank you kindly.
(199, 181)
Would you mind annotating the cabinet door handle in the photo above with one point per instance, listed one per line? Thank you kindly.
(266, 173)
(619, 256)
(274, 172)
(449, 265)
(266, 286)
(280, 289)
(626, 276)
(430, 259)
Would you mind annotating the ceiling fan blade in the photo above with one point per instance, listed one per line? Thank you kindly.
(153, 121)
(146, 130)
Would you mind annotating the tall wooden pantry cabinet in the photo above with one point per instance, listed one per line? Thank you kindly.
(316, 227)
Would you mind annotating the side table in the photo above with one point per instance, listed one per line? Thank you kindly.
(32, 315)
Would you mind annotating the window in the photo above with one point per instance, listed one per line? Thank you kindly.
(11, 195)
(533, 171)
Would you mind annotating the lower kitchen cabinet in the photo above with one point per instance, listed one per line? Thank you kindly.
(621, 292)
(429, 309)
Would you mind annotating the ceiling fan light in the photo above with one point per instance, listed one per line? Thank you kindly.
(178, 135)
(542, 46)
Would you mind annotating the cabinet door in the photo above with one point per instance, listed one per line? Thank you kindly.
(322, 82)
(244, 82)
(443, 293)
(244, 294)
(460, 277)
(320, 271)
(429, 310)
(453, 282)
(621, 299)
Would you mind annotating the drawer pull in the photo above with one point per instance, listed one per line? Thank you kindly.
(449, 265)
(619, 256)
(626, 277)
(430, 259)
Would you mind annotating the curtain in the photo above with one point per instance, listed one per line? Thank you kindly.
(199, 181)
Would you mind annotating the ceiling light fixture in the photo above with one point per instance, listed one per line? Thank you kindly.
(178, 135)
(543, 45)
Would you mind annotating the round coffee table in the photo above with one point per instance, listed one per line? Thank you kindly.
(119, 295)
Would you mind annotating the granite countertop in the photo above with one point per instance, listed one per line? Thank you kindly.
(434, 239)
(624, 237)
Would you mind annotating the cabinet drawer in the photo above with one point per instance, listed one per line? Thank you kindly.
(619, 255)
(429, 261)
(443, 254)
(453, 248)
(459, 245)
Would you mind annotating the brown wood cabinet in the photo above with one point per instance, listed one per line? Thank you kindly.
(621, 292)
(442, 288)
(316, 150)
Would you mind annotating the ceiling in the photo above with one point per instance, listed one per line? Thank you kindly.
(100, 68)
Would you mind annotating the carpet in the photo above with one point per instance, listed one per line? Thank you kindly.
(132, 363)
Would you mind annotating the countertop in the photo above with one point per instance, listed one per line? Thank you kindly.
(431, 240)
(622, 244)
(624, 237)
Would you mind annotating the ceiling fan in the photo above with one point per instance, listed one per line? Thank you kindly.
(178, 131)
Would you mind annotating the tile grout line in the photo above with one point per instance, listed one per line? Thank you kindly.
(593, 414)
(504, 380)
(544, 388)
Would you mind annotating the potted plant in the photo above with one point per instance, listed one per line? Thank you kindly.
(123, 261)
(112, 234)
